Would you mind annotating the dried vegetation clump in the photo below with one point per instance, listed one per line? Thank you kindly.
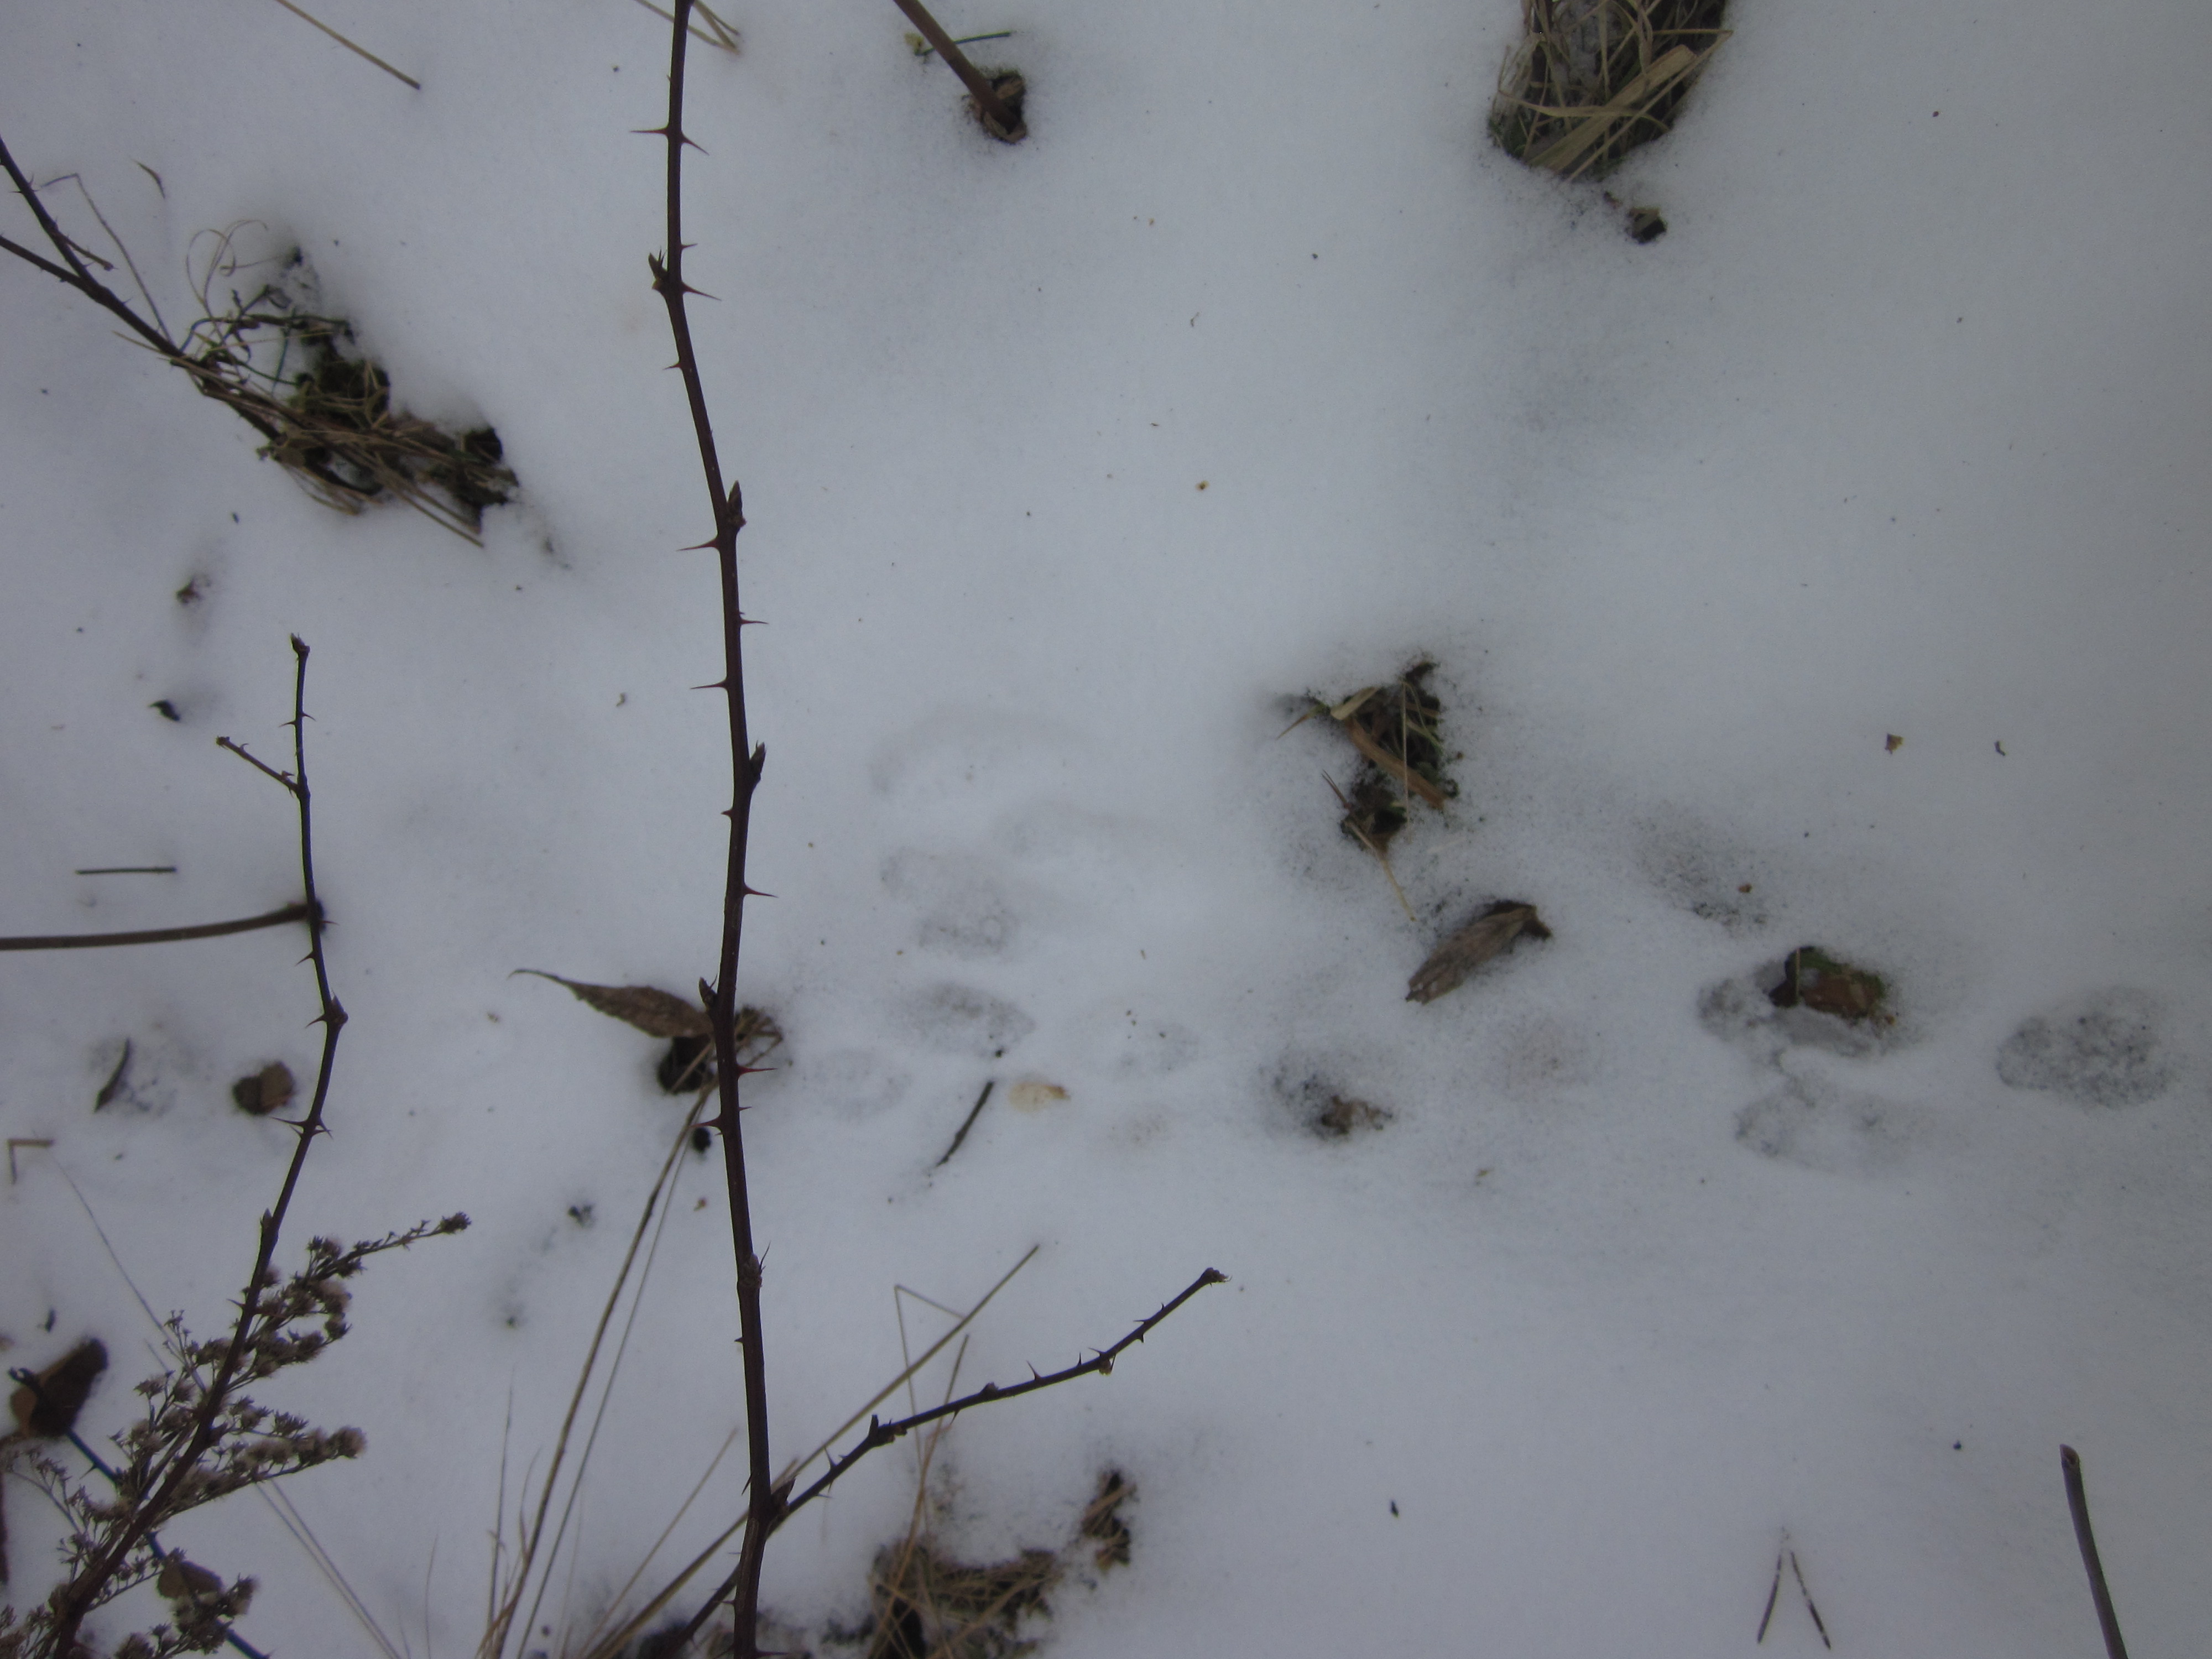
(927, 1604)
(1398, 729)
(1592, 79)
(299, 377)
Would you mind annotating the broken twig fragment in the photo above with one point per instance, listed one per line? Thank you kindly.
(2077, 1500)
(1490, 934)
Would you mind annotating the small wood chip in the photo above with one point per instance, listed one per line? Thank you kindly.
(1490, 934)
(654, 1012)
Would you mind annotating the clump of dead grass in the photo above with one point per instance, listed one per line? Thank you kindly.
(929, 1605)
(1398, 729)
(926, 1603)
(299, 377)
(1592, 79)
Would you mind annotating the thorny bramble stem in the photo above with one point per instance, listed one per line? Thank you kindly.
(727, 505)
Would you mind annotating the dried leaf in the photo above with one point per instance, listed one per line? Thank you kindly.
(1342, 1115)
(1827, 986)
(651, 1010)
(1489, 934)
(180, 1580)
(50, 1410)
(268, 1089)
(1029, 1096)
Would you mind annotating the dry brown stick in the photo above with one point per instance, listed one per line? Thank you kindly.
(727, 503)
(81, 1593)
(979, 86)
(967, 1122)
(2077, 1500)
(296, 911)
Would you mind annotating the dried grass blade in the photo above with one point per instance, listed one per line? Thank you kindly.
(1564, 154)
(1397, 768)
(361, 51)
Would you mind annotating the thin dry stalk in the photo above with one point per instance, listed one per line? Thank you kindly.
(2077, 1504)
(998, 99)
(532, 1536)
(716, 34)
(358, 50)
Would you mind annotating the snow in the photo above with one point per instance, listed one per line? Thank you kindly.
(1899, 429)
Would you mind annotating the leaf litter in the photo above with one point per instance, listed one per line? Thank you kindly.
(1490, 934)
(1398, 730)
(690, 1062)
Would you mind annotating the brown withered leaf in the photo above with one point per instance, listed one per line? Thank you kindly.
(266, 1090)
(1829, 985)
(653, 1010)
(1490, 934)
(50, 1410)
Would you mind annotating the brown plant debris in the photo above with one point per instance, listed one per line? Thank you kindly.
(1812, 978)
(1343, 1114)
(299, 377)
(929, 1605)
(266, 1090)
(1490, 934)
(1590, 79)
(46, 1408)
(1398, 729)
(1013, 90)
(690, 1062)
(654, 1012)
(1102, 1521)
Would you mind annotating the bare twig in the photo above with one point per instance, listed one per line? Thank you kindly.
(2077, 1500)
(77, 1598)
(129, 870)
(967, 1123)
(239, 749)
(882, 1434)
(295, 912)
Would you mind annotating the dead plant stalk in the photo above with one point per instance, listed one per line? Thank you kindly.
(770, 1501)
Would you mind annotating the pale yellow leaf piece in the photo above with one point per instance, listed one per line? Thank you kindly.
(1033, 1096)
(1489, 934)
(653, 1010)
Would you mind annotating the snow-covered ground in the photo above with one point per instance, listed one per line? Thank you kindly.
(1255, 370)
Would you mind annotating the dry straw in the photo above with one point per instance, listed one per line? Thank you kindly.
(1593, 79)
